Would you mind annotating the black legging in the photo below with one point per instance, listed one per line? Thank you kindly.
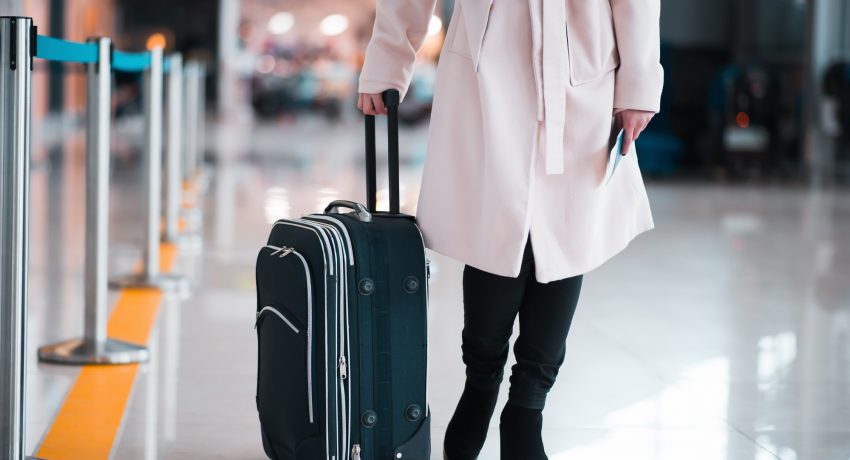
(491, 304)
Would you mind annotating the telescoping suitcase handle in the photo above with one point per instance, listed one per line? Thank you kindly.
(391, 100)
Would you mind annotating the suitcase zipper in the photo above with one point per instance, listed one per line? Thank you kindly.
(335, 242)
(343, 368)
(279, 315)
(327, 269)
(342, 317)
(309, 324)
(283, 251)
(355, 452)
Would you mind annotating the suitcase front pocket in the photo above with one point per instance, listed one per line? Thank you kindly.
(285, 377)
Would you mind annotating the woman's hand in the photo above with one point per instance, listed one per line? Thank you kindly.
(371, 104)
(632, 122)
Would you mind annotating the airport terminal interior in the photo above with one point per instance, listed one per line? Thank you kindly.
(722, 334)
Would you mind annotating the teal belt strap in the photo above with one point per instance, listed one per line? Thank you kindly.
(54, 49)
(131, 62)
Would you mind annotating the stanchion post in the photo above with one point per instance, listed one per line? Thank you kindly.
(192, 214)
(174, 150)
(192, 123)
(16, 34)
(95, 347)
(153, 164)
(202, 126)
(150, 276)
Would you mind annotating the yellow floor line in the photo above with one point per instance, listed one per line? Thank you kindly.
(87, 423)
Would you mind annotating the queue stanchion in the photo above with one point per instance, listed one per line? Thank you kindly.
(173, 150)
(192, 212)
(16, 36)
(95, 347)
(150, 275)
(202, 174)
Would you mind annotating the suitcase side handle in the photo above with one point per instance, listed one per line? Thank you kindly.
(359, 210)
(391, 100)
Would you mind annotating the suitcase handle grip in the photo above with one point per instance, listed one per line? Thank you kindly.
(391, 100)
(359, 210)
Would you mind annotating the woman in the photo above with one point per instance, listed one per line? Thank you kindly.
(517, 154)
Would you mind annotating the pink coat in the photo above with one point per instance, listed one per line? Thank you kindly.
(520, 125)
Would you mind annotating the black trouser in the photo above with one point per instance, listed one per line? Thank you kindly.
(491, 304)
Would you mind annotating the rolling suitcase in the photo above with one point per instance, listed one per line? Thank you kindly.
(342, 329)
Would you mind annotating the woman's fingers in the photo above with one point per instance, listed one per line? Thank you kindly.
(371, 104)
(368, 108)
(633, 122)
(628, 138)
(378, 103)
(630, 131)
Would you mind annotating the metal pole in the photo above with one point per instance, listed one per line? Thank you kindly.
(194, 118)
(95, 347)
(202, 124)
(15, 114)
(192, 72)
(173, 168)
(150, 276)
(153, 155)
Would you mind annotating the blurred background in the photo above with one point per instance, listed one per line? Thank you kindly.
(756, 90)
(722, 334)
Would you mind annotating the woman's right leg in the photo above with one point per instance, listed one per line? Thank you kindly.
(490, 305)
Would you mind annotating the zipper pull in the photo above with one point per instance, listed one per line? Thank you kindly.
(283, 252)
(343, 368)
(355, 452)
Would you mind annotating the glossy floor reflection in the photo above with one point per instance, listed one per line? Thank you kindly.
(722, 334)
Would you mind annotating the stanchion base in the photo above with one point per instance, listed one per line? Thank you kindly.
(81, 351)
(169, 282)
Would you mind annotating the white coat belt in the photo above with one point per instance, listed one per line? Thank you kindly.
(550, 54)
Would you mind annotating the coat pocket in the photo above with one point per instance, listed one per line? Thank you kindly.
(470, 26)
(592, 41)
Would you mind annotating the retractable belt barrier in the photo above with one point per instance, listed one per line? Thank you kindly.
(19, 44)
(58, 50)
(55, 49)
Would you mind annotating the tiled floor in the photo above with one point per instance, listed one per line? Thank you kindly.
(722, 334)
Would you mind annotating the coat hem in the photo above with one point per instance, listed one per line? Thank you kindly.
(558, 274)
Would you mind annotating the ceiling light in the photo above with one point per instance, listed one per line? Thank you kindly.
(333, 24)
(281, 23)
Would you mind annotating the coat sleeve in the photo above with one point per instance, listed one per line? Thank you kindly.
(400, 29)
(640, 77)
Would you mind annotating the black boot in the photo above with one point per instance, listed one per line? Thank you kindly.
(520, 433)
(467, 429)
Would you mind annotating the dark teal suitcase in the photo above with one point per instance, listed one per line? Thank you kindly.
(342, 329)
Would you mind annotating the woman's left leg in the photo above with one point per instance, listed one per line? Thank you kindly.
(545, 317)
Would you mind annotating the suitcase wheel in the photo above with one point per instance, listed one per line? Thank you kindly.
(369, 419)
(413, 412)
(366, 286)
(411, 284)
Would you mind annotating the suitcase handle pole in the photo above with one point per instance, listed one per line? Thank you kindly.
(391, 100)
